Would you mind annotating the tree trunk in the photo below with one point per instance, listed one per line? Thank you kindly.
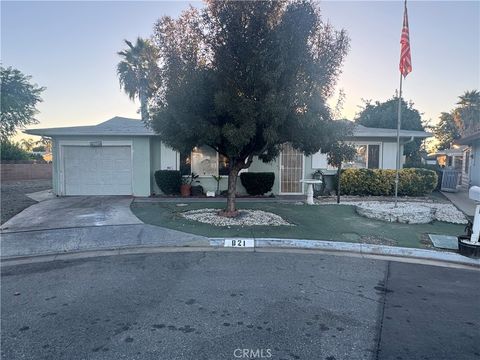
(231, 211)
(339, 172)
(143, 107)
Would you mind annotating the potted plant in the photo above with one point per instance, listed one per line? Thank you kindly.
(186, 187)
(217, 179)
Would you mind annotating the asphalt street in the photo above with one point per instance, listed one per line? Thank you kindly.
(243, 305)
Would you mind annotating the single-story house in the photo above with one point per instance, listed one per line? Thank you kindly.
(121, 155)
(450, 158)
(471, 158)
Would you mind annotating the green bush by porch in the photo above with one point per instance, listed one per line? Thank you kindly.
(257, 183)
(168, 181)
(380, 182)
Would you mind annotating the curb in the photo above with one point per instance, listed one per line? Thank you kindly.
(358, 248)
(379, 252)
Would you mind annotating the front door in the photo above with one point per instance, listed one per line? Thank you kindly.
(291, 170)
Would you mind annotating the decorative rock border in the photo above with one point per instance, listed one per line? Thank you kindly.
(404, 213)
(245, 218)
(409, 212)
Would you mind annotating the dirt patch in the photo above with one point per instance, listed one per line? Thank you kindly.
(426, 242)
(13, 198)
(377, 240)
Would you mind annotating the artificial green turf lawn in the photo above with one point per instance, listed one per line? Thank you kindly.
(323, 222)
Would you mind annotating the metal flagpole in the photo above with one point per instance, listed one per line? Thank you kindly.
(399, 122)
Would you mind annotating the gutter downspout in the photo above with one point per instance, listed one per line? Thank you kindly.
(412, 138)
(409, 141)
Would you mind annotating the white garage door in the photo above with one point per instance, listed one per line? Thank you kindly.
(98, 170)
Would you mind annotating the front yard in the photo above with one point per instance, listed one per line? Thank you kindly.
(325, 222)
(13, 198)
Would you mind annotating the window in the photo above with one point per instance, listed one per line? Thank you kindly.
(203, 161)
(222, 165)
(373, 156)
(368, 156)
(458, 163)
(449, 161)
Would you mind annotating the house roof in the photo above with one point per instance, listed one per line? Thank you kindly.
(458, 151)
(467, 140)
(121, 126)
(363, 131)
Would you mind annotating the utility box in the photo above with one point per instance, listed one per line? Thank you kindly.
(474, 193)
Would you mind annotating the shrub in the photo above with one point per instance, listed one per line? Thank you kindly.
(168, 181)
(379, 182)
(435, 168)
(12, 151)
(416, 182)
(257, 183)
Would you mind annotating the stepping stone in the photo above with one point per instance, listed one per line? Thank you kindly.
(444, 241)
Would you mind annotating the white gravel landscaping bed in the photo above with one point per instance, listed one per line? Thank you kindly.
(408, 212)
(245, 218)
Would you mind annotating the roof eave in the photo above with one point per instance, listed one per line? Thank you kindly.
(404, 136)
(467, 140)
(50, 134)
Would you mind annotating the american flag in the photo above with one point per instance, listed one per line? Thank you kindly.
(405, 59)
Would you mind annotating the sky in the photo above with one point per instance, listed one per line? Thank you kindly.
(71, 49)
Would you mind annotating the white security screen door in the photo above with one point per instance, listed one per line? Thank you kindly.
(291, 170)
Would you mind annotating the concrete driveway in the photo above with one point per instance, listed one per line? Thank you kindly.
(84, 223)
(73, 212)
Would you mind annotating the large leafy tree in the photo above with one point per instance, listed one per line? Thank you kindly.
(446, 131)
(463, 120)
(384, 115)
(27, 144)
(244, 78)
(138, 72)
(19, 101)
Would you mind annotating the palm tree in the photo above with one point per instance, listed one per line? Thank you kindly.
(139, 73)
(470, 98)
(467, 115)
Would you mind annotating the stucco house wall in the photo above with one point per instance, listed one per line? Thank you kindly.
(149, 154)
(473, 143)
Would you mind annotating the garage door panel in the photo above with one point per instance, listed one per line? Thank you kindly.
(98, 170)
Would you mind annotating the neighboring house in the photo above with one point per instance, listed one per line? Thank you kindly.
(120, 156)
(450, 158)
(455, 158)
(471, 163)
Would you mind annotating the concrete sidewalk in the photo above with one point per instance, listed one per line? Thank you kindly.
(461, 201)
(142, 238)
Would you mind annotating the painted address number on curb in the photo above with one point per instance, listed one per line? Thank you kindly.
(243, 243)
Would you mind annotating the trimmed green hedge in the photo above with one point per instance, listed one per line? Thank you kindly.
(435, 168)
(379, 182)
(257, 183)
(168, 181)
